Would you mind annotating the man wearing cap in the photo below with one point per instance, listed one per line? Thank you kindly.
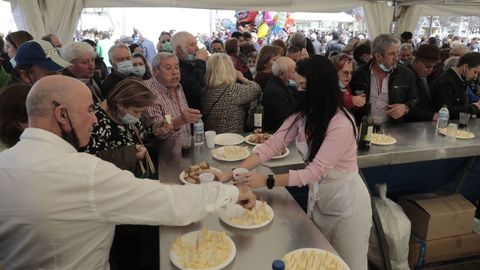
(422, 65)
(36, 59)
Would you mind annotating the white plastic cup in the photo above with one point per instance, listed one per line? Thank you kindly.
(210, 138)
(452, 131)
(238, 171)
(206, 177)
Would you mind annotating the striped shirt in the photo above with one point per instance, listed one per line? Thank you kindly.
(165, 104)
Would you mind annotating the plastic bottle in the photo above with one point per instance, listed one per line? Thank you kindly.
(278, 265)
(199, 132)
(443, 116)
(366, 129)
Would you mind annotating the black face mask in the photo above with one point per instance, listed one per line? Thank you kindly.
(71, 137)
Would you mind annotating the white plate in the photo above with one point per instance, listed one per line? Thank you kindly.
(191, 238)
(182, 176)
(231, 153)
(461, 134)
(234, 210)
(276, 157)
(228, 139)
(383, 139)
(247, 139)
(323, 257)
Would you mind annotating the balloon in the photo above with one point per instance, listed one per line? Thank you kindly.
(249, 18)
(281, 19)
(228, 24)
(267, 17)
(259, 19)
(262, 30)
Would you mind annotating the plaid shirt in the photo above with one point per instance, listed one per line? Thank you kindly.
(165, 104)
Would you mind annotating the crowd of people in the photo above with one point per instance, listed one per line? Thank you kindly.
(68, 112)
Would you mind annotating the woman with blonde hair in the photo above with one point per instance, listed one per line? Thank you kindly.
(227, 95)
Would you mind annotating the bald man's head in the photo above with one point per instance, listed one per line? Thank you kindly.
(62, 105)
(284, 68)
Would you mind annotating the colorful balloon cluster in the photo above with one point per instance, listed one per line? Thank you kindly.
(266, 22)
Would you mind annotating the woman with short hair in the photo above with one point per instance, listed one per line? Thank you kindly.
(267, 55)
(227, 95)
(345, 66)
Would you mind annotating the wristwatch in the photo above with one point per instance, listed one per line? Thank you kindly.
(270, 181)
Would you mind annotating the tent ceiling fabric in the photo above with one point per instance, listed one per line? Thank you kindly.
(273, 5)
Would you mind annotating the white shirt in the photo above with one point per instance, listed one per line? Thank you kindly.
(379, 98)
(59, 208)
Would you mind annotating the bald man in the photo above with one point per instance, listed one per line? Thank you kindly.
(280, 95)
(59, 208)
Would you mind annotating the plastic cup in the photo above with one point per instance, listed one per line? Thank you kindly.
(452, 131)
(206, 177)
(210, 138)
(238, 171)
(185, 143)
(360, 93)
(463, 120)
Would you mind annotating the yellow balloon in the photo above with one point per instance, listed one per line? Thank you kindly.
(263, 30)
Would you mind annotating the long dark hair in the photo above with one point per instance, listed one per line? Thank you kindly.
(322, 100)
(12, 112)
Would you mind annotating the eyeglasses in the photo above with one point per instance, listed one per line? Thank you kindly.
(166, 40)
(428, 66)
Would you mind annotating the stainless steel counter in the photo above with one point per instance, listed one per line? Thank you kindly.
(419, 142)
(256, 249)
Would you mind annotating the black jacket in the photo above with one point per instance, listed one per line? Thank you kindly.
(451, 90)
(424, 109)
(109, 83)
(193, 81)
(401, 87)
(279, 101)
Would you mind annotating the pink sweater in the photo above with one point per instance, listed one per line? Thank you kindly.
(339, 149)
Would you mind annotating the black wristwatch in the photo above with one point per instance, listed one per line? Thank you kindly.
(270, 181)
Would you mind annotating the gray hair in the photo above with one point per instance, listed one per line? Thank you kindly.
(406, 47)
(450, 62)
(281, 65)
(383, 41)
(116, 46)
(158, 59)
(458, 45)
(179, 39)
(73, 50)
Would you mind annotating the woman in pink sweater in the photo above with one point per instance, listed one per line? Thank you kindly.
(325, 135)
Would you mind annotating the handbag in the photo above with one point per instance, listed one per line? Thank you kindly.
(148, 169)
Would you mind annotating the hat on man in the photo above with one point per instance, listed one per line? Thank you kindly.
(40, 53)
(428, 53)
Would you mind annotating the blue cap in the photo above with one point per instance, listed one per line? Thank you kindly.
(278, 265)
(40, 53)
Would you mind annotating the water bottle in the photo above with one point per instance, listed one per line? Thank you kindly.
(199, 132)
(443, 116)
(278, 265)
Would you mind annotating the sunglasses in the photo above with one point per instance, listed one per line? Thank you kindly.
(166, 40)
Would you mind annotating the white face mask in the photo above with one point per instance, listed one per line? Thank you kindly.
(13, 62)
(191, 57)
(341, 85)
(129, 119)
(125, 67)
(138, 71)
(384, 68)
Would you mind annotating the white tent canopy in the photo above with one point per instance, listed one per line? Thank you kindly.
(52, 16)
(329, 17)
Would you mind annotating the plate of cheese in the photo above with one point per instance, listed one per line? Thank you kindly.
(461, 134)
(313, 258)
(382, 139)
(231, 153)
(238, 217)
(203, 249)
